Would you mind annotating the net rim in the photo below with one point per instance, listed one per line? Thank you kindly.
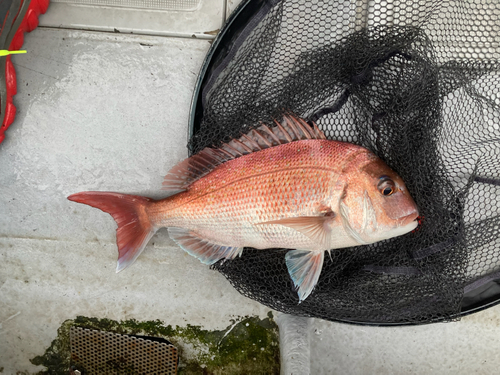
(473, 299)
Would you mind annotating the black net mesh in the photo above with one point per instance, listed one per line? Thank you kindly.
(417, 83)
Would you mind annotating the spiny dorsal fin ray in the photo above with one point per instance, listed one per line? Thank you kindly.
(192, 169)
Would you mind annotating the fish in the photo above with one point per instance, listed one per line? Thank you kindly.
(281, 186)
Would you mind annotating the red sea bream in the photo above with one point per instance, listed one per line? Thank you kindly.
(281, 187)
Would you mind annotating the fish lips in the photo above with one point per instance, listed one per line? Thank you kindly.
(409, 220)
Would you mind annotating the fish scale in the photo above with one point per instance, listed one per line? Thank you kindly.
(302, 176)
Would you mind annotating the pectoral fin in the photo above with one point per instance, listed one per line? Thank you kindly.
(317, 228)
(304, 267)
(205, 251)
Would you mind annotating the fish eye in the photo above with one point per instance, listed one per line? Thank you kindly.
(386, 186)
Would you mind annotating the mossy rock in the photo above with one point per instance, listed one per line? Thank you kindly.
(249, 345)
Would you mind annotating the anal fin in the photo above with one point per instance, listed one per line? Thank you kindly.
(205, 251)
(304, 267)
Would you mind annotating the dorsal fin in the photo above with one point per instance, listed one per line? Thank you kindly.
(192, 169)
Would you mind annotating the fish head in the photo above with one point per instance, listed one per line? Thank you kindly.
(376, 204)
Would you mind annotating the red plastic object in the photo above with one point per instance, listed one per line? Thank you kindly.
(28, 24)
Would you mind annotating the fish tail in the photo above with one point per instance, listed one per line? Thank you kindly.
(129, 211)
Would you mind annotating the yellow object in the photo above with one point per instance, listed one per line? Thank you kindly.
(4, 52)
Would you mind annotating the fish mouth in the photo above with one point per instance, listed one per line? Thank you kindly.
(409, 219)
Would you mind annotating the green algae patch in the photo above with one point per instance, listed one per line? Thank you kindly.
(248, 345)
(57, 357)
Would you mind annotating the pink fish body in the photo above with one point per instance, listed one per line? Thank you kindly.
(286, 187)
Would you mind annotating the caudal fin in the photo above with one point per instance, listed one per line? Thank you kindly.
(129, 211)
